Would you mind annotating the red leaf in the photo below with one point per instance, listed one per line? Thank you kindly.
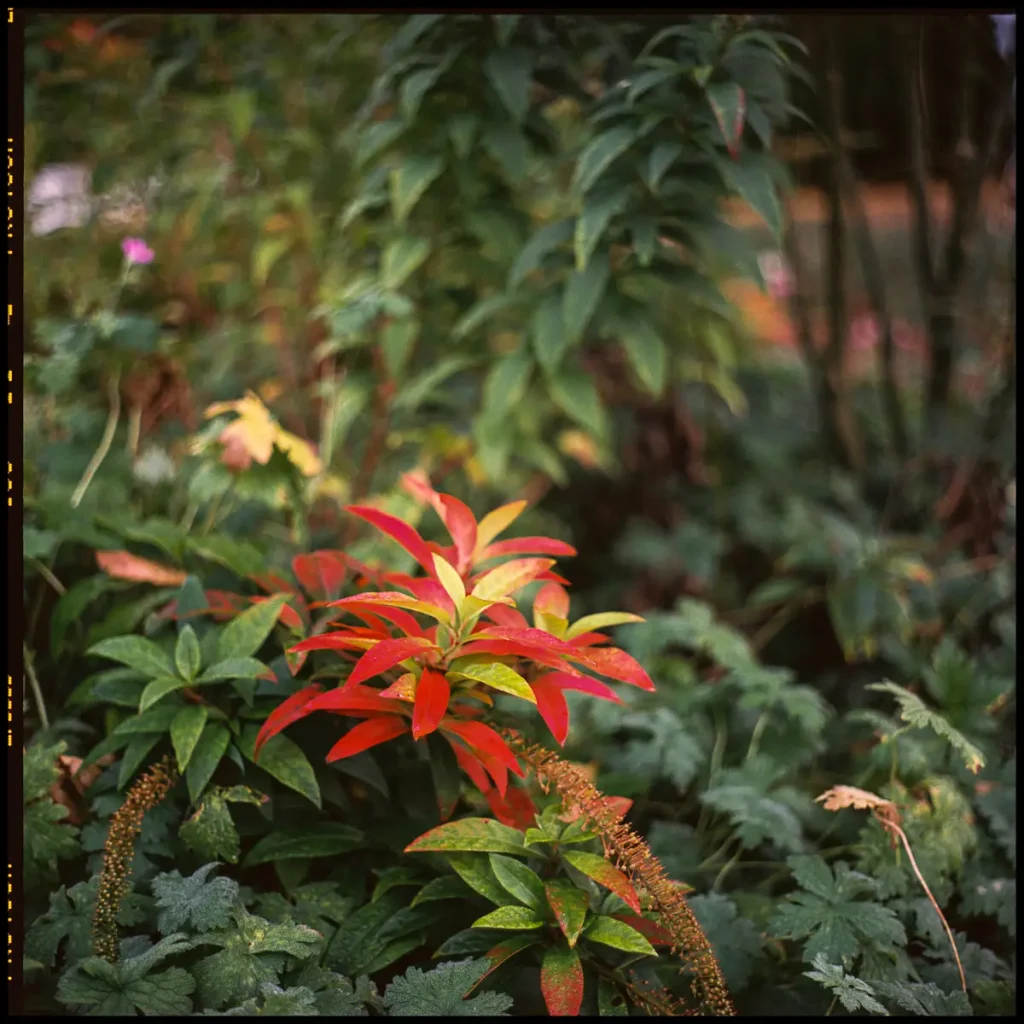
(584, 684)
(288, 615)
(596, 867)
(387, 654)
(432, 694)
(589, 639)
(123, 565)
(552, 707)
(561, 981)
(527, 546)
(432, 592)
(653, 932)
(461, 524)
(484, 740)
(355, 698)
(552, 599)
(471, 765)
(497, 771)
(521, 650)
(398, 530)
(321, 573)
(515, 809)
(617, 664)
(509, 577)
(290, 710)
(505, 616)
(403, 688)
(529, 636)
(417, 483)
(402, 619)
(553, 577)
(331, 642)
(366, 735)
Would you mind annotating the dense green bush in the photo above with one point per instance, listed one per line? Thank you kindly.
(479, 255)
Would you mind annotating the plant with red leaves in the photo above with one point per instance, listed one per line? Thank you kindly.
(440, 676)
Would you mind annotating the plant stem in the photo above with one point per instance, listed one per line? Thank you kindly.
(47, 574)
(105, 442)
(33, 682)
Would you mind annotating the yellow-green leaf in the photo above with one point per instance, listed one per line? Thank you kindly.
(602, 620)
(498, 677)
(509, 917)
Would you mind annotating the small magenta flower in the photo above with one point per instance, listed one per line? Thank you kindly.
(136, 251)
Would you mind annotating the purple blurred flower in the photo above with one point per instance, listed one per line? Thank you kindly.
(136, 251)
(1006, 33)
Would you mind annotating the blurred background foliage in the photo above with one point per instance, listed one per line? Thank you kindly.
(739, 311)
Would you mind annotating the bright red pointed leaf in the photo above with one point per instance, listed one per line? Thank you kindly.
(617, 664)
(561, 981)
(522, 650)
(597, 868)
(321, 573)
(515, 809)
(398, 530)
(553, 577)
(366, 735)
(528, 636)
(288, 615)
(290, 710)
(502, 615)
(484, 740)
(461, 524)
(417, 483)
(584, 684)
(402, 619)
(552, 707)
(497, 771)
(375, 626)
(589, 639)
(527, 546)
(471, 765)
(432, 694)
(355, 698)
(504, 951)
(387, 654)
(653, 932)
(431, 592)
(552, 599)
(333, 642)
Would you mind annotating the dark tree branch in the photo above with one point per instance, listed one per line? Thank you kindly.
(924, 262)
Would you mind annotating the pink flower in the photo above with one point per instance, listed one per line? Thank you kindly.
(136, 251)
(776, 273)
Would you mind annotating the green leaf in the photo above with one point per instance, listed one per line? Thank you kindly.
(597, 868)
(511, 72)
(284, 759)
(610, 1001)
(410, 180)
(377, 137)
(402, 256)
(728, 103)
(924, 1000)
(397, 339)
(446, 888)
(497, 676)
(853, 993)
(234, 668)
(239, 556)
(158, 689)
(915, 713)
(646, 353)
(598, 154)
(415, 87)
(471, 835)
(326, 840)
(186, 728)
(462, 128)
(756, 185)
(661, 158)
(583, 293)
(509, 917)
(69, 918)
(574, 392)
(442, 992)
(372, 933)
(476, 872)
(198, 902)
(506, 384)
(569, 905)
(205, 758)
(547, 329)
(133, 757)
(244, 636)
(516, 878)
(506, 145)
(480, 313)
(136, 652)
(544, 241)
(187, 657)
(617, 934)
(561, 981)
(424, 385)
(593, 221)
